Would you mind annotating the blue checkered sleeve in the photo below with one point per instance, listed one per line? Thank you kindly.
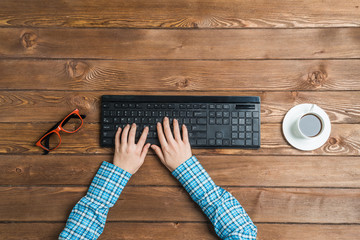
(87, 219)
(229, 218)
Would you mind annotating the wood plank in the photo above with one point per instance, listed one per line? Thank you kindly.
(20, 138)
(225, 170)
(184, 14)
(217, 76)
(20, 106)
(180, 231)
(180, 44)
(275, 205)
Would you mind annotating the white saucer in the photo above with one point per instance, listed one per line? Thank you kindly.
(305, 144)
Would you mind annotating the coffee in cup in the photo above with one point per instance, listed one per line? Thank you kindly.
(310, 124)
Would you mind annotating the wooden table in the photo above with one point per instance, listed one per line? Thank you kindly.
(56, 56)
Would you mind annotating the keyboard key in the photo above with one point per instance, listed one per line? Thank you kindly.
(189, 106)
(218, 106)
(234, 121)
(241, 128)
(212, 106)
(108, 127)
(255, 114)
(256, 125)
(203, 106)
(226, 121)
(107, 141)
(201, 121)
(241, 121)
(242, 114)
(248, 135)
(200, 134)
(234, 128)
(226, 106)
(219, 142)
(234, 135)
(234, 114)
(226, 142)
(248, 114)
(212, 121)
(199, 128)
(248, 128)
(242, 135)
(196, 106)
(237, 142)
(226, 114)
(108, 120)
(219, 121)
(201, 141)
(248, 142)
(211, 141)
(193, 120)
(248, 121)
(219, 135)
(212, 114)
(200, 114)
(106, 113)
(218, 114)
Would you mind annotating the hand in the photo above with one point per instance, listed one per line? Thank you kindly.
(128, 155)
(173, 151)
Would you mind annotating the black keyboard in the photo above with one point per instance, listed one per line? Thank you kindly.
(212, 121)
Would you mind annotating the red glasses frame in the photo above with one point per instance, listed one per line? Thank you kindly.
(59, 127)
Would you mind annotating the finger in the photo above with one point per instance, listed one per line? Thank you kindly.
(132, 133)
(161, 136)
(145, 151)
(167, 130)
(158, 152)
(124, 135)
(117, 138)
(143, 137)
(176, 130)
(185, 135)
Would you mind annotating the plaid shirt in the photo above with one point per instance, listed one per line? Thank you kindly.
(88, 217)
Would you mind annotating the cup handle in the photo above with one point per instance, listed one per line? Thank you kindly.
(312, 107)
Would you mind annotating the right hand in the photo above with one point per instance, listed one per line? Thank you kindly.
(174, 150)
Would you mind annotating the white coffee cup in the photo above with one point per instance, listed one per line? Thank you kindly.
(309, 125)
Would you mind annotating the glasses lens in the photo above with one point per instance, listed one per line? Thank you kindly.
(51, 141)
(72, 123)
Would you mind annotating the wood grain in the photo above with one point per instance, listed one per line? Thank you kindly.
(180, 231)
(138, 44)
(20, 106)
(20, 138)
(275, 205)
(225, 170)
(217, 76)
(184, 14)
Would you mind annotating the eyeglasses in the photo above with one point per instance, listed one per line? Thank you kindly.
(52, 140)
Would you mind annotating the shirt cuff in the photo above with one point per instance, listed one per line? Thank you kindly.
(108, 184)
(194, 178)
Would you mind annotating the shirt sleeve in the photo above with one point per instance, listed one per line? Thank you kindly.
(229, 218)
(87, 219)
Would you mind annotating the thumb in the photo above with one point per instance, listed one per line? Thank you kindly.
(158, 152)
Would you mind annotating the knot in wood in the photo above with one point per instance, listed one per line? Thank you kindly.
(333, 141)
(28, 40)
(18, 170)
(317, 78)
(183, 82)
(77, 69)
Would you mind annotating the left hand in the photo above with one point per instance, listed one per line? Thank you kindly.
(128, 155)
